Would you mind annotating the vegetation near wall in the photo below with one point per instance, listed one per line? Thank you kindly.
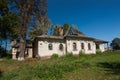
(105, 66)
(115, 44)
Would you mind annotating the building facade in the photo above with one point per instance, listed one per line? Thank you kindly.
(44, 46)
(49, 45)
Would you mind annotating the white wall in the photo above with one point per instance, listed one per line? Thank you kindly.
(70, 46)
(43, 49)
(78, 42)
(14, 51)
(30, 52)
(102, 48)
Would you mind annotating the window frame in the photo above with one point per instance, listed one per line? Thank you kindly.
(61, 47)
(82, 46)
(74, 46)
(97, 46)
(89, 46)
(50, 46)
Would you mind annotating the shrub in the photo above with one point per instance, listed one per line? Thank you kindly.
(69, 54)
(81, 53)
(98, 51)
(54, 56)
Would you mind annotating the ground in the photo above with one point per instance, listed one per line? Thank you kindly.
(104, 66)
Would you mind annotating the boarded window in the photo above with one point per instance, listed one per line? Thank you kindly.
(89, 46)
(74, 46)
(61, 47)
(82, 45)
(50, 46)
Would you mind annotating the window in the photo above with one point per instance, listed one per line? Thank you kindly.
(89, 46)
(40, 43)
(97, 46)
(82, 45)
(50, 47)
(74, 46)
(61, 47)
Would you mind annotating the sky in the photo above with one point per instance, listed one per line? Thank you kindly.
(95, 18)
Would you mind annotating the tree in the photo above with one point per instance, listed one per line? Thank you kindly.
(3, 7)
(3, 11)
(41, 27)
(8, 28)
(65, 28)
(27, 10)
(8, 23)
(116, 44)
(56, 30)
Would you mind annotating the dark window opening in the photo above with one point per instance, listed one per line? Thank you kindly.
(61, 47)
(89, 46)
(50, 47)
(82, 45)
(74, 46)
(97, 46)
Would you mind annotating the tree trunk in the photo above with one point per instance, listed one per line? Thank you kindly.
(22, 48)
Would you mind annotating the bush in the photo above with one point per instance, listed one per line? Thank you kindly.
(54, 56)
(69, 54)
(81, 53)
(98, 51)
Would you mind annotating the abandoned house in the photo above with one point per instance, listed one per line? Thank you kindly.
(45, 45)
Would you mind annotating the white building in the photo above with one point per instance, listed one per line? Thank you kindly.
(44, 45)
(49, 45)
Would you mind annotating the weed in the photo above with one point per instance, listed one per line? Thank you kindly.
(69, 67)
(54, 56)
(98, 52)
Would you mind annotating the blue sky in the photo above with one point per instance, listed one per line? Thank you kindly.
(95, 18)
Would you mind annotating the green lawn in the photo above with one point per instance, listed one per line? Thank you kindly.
(104, 66)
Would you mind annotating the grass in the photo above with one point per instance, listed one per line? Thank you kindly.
(104, 66)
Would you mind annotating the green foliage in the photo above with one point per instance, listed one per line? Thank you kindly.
(69, 54)
(65, 28)
(29, 11)
(54, 56)
(9, 28)
(3, 7)
(32, 34)
(41, 27)
(98, 51)
(81, 53)
(56, 30)
(116, 44)
(8, 21)
(8, 24)
(91, 67)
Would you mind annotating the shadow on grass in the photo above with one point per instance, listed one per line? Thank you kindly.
(0, 73)
(5, 55)
(110, 67)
